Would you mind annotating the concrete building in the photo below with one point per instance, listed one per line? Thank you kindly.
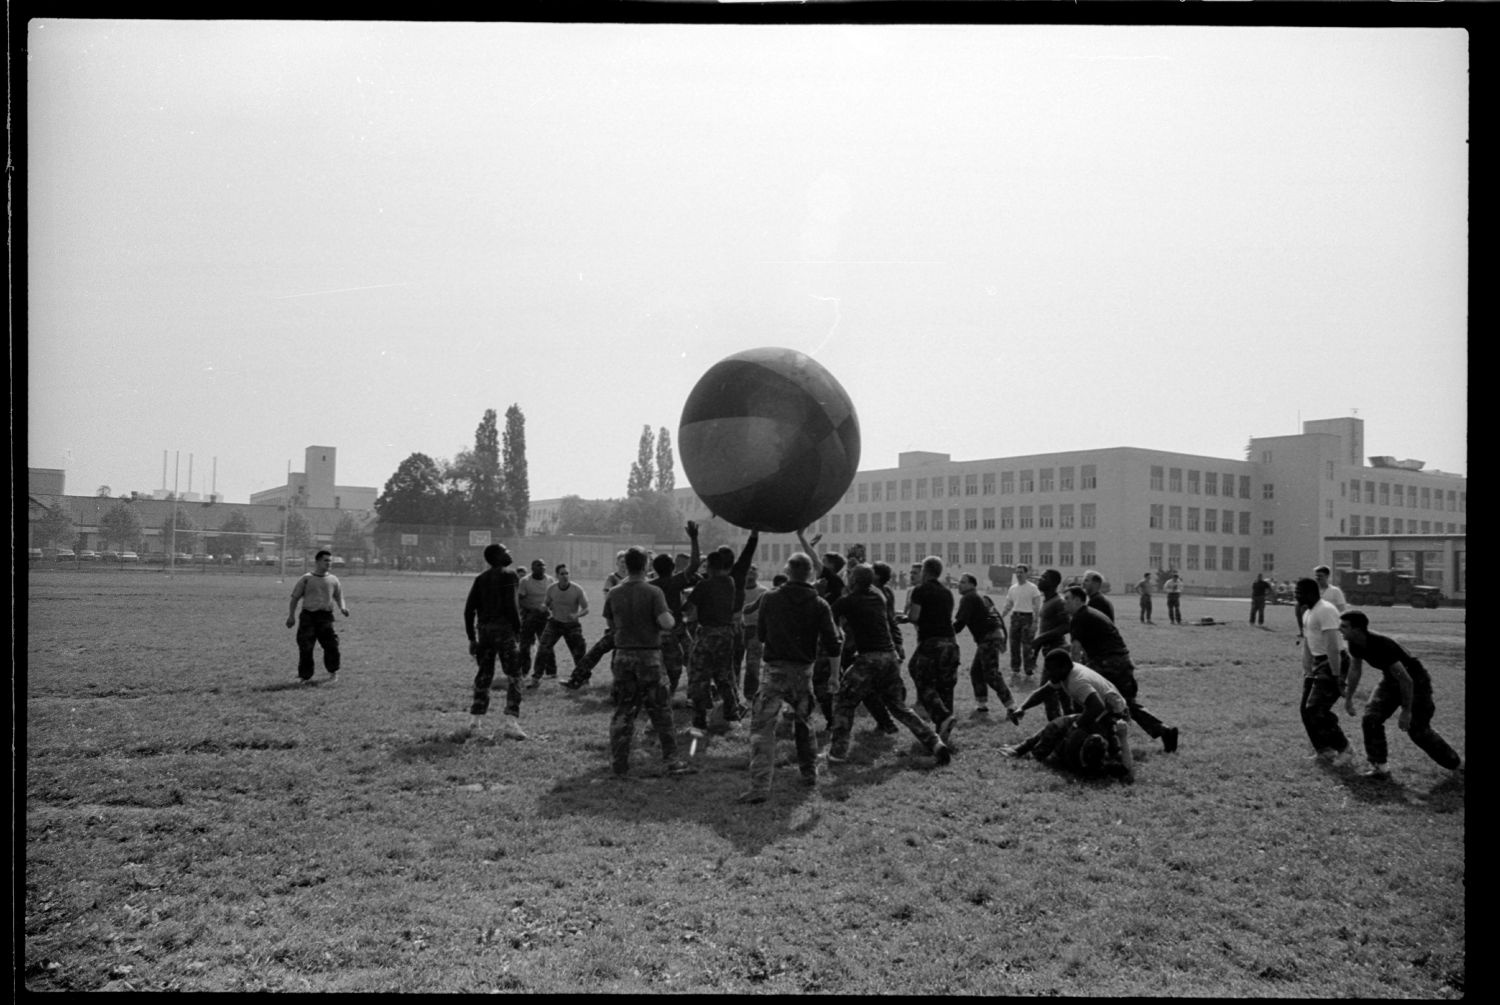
(1440, 560)
(315, 486)
(1129, 510)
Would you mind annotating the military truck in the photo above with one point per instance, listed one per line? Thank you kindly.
(1382, 588)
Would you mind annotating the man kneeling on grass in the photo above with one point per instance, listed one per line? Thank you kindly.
(1104, 714)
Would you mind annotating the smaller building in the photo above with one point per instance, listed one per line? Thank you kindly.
(315, 486)
(1439, 560)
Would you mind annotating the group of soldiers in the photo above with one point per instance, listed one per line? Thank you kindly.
(826, 637)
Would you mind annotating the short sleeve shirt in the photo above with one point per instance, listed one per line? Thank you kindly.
(1082, 682)
(632, 608)
(935, 620)
(1316, 620)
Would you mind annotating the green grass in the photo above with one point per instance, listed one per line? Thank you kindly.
(195, 821)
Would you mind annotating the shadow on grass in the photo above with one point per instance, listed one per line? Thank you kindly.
(436, 746)
(1445, 796)
(707, 796)
(292, 685)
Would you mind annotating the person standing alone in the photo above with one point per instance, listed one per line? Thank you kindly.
(492, 620)
(320, 592)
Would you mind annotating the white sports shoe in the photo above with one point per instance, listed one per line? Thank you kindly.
(512, 728)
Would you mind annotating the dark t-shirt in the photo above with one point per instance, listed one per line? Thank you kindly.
(631, 608)
(1382, 652)
(1259, 589)
(1101, 604)
(1054, 614)
(1097, 635)
(866, 615)
(492, 600)
(977, 613)
(935, 620)
(714, 599)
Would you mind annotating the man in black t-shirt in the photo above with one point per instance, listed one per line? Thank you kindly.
(934, 664)
(1404, 685)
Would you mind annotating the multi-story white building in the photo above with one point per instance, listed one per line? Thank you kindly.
(1129, 510)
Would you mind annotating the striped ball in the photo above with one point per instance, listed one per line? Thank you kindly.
(769, 440)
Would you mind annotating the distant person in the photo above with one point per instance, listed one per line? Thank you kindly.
(533, 593)
(636, 613)
(875, 671)
(567, 605)
(1404, 685)
(1322, 677)
(1173, 589)
(492, 621)
(1100, 641)
(1093, 582)
(1259, 591)
(795, 624)
(1023, 602)
(1143, 589)
(934, 664)
(976, 612)
(320, 593)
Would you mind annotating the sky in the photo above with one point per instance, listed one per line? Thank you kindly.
(245, 238)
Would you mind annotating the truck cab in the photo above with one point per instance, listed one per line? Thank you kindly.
(1383, 588)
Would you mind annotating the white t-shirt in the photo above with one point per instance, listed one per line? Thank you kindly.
(1316, 620)
(1082, 682)
(1335, 596)
(1024, 598)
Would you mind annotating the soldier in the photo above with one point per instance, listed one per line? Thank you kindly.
(712, 663)
(977, 613)
(320, 592)
(1322, 677)
(795, 624)
(1105, 710)
(566, 604)
(1404, 685)
(875, 671)
(637, 614)
(492, 619)
(934, 664)
(533, 594)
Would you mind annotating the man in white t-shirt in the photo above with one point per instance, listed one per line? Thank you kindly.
(1323, 679)
(1023, 601)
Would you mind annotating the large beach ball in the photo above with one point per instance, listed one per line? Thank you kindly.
(769, 440)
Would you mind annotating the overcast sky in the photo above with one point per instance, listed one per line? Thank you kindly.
(246, 238)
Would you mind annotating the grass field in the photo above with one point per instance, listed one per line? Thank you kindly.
(196, 821)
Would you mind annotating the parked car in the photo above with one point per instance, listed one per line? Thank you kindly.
(336, 561)
(129, 556)
(109, 556)
(33, 554)
(65, 555)
(268, 560)
(181, 558)
(88, 556)
(357, 561)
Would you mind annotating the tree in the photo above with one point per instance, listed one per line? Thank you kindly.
(649, 513)
(665, 480)
(642, 471)
(576, 515)
(477, 473)
(236, 541)
(298, 534)
(55, 525)
(414, 494)
(348, 536)
(515, 485)
(182, 539)
(121, 525)
(102, 491)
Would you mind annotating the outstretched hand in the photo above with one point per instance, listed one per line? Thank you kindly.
(692, 528)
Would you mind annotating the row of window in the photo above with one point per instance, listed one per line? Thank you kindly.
(1407, 496)
(908, 521)
(1387, 525)
(1207, 558)
(1207, 521)
(1198, 483)
(1061, 479)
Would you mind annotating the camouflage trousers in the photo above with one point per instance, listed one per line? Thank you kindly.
(638, 684)
(496, 641)
(533, 623)
(571, 632)
(781, 684)
(1022, 631)
(754, 650)
(875, 675)
(712, 666)
(674, 643)
(934, 672)
(1385, 702)
(986, 670)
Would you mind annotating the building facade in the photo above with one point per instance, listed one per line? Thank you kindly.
(1126, 511)
(314, 486)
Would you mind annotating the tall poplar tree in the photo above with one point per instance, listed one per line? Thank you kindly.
(643, 470)
(665, 480)
(515, 486)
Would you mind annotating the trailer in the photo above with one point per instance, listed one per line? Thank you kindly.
(1383, 588)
